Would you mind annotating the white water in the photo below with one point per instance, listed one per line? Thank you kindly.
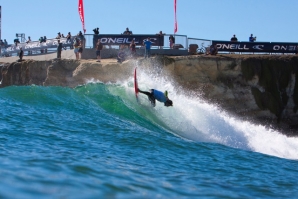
(196, 120)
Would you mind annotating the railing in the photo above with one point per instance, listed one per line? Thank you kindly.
(182, 42)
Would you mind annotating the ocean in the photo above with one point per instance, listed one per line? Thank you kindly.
(97, 141)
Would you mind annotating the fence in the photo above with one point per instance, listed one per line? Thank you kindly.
(182, 42)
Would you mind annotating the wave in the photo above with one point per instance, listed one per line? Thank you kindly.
(196, 120)
(190, 118)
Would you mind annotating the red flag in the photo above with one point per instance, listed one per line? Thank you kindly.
(175, 25)
(81, 13)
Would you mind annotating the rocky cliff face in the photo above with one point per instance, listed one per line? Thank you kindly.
(262, 89)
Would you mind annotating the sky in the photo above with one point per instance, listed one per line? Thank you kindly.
(268, 20)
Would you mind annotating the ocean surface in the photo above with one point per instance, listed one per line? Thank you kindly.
(97, 141)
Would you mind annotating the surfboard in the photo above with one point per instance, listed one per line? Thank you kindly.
(136, 84)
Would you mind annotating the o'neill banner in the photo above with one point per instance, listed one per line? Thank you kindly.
(157, 40)
(81, 13)
(261, 47)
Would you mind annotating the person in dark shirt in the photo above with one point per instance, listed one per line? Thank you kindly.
(234, 39)
(213, 49)
(21, 54)
(172, 41)
(127, 32)
(96, 31)
(99, 47)
(59, 49)
(252, 38)
(133, 48)
(161, 37)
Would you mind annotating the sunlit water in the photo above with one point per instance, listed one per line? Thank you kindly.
(96, 141)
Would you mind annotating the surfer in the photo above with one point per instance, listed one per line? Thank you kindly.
(159, 96)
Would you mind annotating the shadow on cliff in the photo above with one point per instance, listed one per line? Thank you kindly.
(277, 83)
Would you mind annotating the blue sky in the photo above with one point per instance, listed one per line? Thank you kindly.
(269, 20)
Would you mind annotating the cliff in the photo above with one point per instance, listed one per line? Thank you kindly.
(262, 89)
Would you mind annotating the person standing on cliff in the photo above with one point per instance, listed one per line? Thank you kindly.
(99, 47)
(76, 45)
(59, 49)
(159, 96)
(147, 44)
(21, 54)
(252, 38)
(234, 39)
(133, 48)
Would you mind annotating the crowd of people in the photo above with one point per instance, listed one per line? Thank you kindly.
(125, 51)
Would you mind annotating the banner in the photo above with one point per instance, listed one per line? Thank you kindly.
(260, 47)
(175, 25)
(81, 13)
(157, 40)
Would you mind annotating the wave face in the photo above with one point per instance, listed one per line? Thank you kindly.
(97, 141)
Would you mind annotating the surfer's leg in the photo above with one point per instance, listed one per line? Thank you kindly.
(152, 100)
(145, 92)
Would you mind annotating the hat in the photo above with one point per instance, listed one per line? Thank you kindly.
(58, 33)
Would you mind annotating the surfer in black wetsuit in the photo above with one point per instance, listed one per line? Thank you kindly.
(159, 96)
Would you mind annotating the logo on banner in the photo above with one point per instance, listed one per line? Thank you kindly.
(258, 47)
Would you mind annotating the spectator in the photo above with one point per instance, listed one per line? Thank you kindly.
(68, 39)
(96, 31)
(58, 35)
(160, 37)
(80, 35)
(213, 49)
(21, 54)
(234, 39)
(99, 47)
(132, 48)
(5, 43)
(40, 42)
(121, 56)
(172, 41)
(76, 46)
(127, 32)
(147, 44)
(252, 39)
(59, 49)
(16, 41)
(29, 40)
(62, 36)
(40, 39)
(81, 38)
(45, 41)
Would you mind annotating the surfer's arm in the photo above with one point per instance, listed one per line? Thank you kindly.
(166, 94)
